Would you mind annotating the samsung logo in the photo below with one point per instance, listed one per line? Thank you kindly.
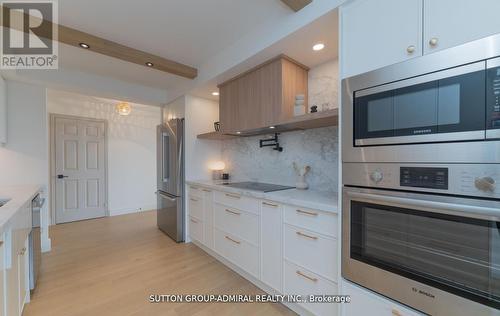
(422, 131)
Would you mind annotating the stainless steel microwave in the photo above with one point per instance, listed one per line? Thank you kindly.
(443, 107)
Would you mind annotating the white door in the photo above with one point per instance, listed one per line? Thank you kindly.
(454, 22)
(80, 169)
(379, 33)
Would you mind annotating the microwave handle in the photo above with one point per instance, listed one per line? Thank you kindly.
(431, 206)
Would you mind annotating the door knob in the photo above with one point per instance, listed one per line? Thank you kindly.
(410, 49)
(433, 41)
(61, 176)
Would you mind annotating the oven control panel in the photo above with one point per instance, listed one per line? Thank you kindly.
(480, 180)
(421, 177)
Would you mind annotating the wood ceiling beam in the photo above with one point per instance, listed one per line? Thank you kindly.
(296, 5)
(109, 48)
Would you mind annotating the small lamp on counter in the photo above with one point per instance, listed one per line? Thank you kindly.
(217, 168)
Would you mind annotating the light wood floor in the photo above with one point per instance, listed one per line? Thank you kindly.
(110, 266)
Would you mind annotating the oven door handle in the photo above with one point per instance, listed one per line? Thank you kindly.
(464, 210)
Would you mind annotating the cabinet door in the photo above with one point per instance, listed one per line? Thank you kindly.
(379, 33)
(228, 107)
(271, 241)
(364, 302)
(208, 209)
(2, 275)
(23, 275)
(454, 22)
(3, 111)
(12, 274)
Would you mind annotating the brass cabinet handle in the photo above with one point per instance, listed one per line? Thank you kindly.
(307, 213)
(395, 312)
(193, 188)
(234, 196)
(194, 200)
(231, 239)
(269, 204)
(192, 220)
(205, 190)
(307, 236)
(306, 276)
(232, 212)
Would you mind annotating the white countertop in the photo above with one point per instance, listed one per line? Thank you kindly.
(322, 201)
(18, 196)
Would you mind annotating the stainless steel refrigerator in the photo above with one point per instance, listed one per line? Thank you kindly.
(170, 183)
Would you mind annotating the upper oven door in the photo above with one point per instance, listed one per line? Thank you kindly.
(438, 254)
(443, 106)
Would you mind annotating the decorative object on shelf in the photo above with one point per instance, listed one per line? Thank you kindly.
(225, 176)
(300, 107)
(217, 126)
(271, 142)
(301, 173)
(314, 109)
(123, 108)
(217, 168)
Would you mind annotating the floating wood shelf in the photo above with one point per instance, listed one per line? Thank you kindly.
(302, 122)
(215, 136)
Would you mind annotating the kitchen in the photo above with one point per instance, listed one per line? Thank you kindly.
(351, 157)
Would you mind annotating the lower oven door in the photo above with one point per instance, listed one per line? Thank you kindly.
(437, 254)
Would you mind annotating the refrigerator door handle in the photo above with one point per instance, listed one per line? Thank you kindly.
(164, 195)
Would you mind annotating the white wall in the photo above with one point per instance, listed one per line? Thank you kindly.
(200, 117)
(24, 159)
(131, 147)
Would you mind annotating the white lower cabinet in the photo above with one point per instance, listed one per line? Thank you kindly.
(312, 250)
(287, 248)
(238, 251)
(300, 281)
(208, 223)
(196, 229)
(364, 302)
(15, 270)
(271, 245)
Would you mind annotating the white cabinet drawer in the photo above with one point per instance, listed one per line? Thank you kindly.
(239, 223)
(238, 201)
(195, 205)
(194, 190)
(313, 251)
(196, 229)
(300, 281)
(318, 221)
(238, 251)
(364, 302)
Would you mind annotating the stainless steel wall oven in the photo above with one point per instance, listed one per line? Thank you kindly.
(421, 163)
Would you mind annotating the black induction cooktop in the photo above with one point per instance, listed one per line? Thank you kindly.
(257, 186)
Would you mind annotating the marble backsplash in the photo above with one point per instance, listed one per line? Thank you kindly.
(317, 148)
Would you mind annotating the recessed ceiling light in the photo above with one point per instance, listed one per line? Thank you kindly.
(238, 133)
(83, 45)
(318, 46)
(149, 64)
(215, 93)
(272, 127)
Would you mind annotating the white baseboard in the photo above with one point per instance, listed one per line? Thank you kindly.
(131, 210)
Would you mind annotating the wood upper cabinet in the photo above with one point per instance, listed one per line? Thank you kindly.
(263, 96)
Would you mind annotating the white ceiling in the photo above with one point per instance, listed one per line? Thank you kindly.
(187, 31)
(297, 45)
